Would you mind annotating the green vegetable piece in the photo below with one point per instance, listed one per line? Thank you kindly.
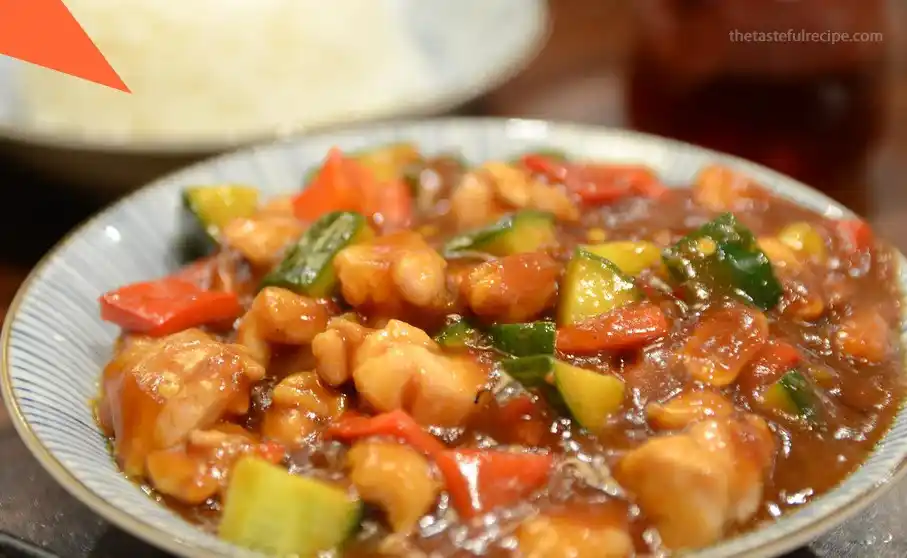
(456, 335)
(308, 267)
(591, 397)
(794, 395)
(517, 233)
(215, 206)
(593, 286)
(520, 340)
(722, 257)
(271, 511)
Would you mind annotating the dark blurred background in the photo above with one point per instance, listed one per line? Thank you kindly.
(831, 112)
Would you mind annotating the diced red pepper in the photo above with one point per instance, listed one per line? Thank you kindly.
(395, 424)
(334, 188)
(773, 360)
(520, 421)
(167, 306)
(554, 170)
(343, 184)
(390, 204)
(623, 328)
(479, 480)
(857, 233)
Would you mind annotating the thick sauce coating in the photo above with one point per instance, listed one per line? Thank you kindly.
(608, 368)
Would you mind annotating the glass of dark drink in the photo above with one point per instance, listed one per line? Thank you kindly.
(797, 85)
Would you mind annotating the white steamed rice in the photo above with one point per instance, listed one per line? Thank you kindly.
(213, 69)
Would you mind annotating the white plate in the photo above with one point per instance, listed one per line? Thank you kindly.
(468, 47)
(54, 345)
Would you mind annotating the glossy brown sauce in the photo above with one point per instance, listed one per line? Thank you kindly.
(859, 399)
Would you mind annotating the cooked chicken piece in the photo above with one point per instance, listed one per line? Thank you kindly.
(400, 367)
(496, 188)
(687, 408)
(262, 238)
(517, 188)
(198, 470)
(394, 477)
(722, 189)
(512, 289)
(473, 202)
(335, 348)
(567, 536)
(391, 273)
(298, 403)
(802, 289)
(726, 338)
(280, 316)
(158, 392)
(864, 335)
(696, 485)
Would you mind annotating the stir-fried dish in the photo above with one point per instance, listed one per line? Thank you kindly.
(539, 357)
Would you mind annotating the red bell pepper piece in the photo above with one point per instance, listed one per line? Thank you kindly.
(167, 306)
(857, 233)
(343, 184)
(390, 204)
(395, 424)
(773, 360)
(623, 328)
(334, 188)
(481, 480)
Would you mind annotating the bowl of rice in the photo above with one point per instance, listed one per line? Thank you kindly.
(214, 75)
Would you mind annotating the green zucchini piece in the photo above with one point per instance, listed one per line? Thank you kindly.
(793, 395)
(390, 161)
(630, 256)
(593, 286)
(591, 397)
(456, 335)
(271, 511)
(308, 267)
(215, 206)
(723, 257)
(520, 340)
(517, 233)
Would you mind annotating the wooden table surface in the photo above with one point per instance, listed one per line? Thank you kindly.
(578, 77)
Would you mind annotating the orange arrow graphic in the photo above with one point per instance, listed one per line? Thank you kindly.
(44, 32)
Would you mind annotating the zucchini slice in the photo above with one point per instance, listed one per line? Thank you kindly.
(269, 510)
(308, 267)
(456, 335)
(592, 286)
(723, 257)
(793, 395)
(517, 233)
(519, 340)
(589, 397)
(631, 257)
(215, 206)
